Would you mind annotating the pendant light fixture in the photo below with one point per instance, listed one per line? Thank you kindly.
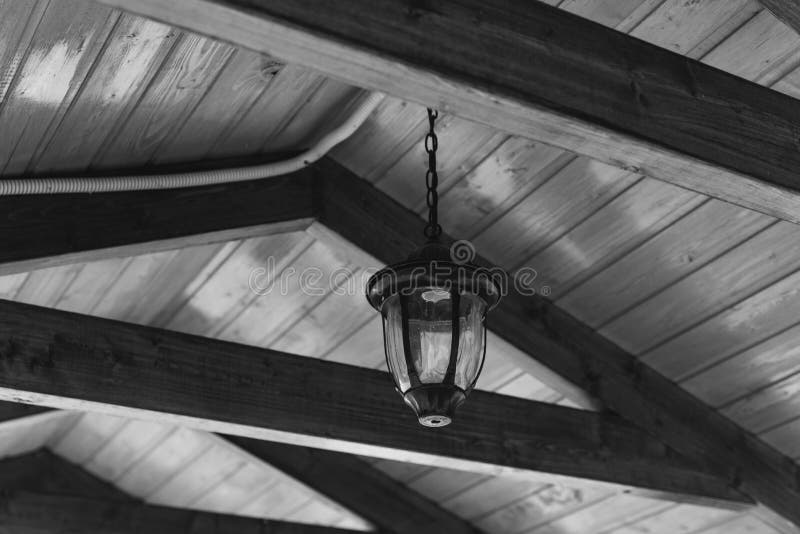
(434, 316)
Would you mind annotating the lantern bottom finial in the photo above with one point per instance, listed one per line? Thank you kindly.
(435, 404)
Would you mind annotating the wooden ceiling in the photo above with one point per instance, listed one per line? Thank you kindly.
(701, 290)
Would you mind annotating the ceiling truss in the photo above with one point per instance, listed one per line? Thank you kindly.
(744, 151)
(379, 225)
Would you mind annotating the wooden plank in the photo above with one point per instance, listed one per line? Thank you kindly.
(753, 320)
(581, 188)
(39, 231)
(741, 525)
(31, 513)
(770, 407)
(276, 106)
(149, 373)
(576, 353)
(223, 296)
(695, 28)
(598, 514)
(440, 484)
(786, 11)
(481, 500)
(64, 47)
(182, 80)
(313, 117)
(18, 22)
(175, 284)
(772, 51)
(123, 71)
(684, 518)
(392, 129)
(462, 145)
(126, 448)
(686, 246)
(360, 487)
(745, 372)
(511, 173)
(179, 448)
(641, 113)
(243, 80)
(627, 221)
(276, 308)
(755, 264)
(86, 436)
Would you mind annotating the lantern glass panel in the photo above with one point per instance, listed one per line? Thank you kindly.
(430, 332)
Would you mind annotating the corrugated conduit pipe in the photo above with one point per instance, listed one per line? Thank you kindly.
(104, 184)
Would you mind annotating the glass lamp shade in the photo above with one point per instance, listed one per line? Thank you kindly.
(434, 330)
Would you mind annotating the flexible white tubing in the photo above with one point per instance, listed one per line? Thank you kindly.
(103, 184)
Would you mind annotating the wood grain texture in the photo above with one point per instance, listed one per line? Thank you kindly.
(37, 231)
(738, 328)
(276, 106)
(18, 21)
(245, 77)
(380, 226)
(656, 112)
(755, 264)
(627, 221)
(692, 242)
(52, 69)
(559, 205)
(786, 11)
(33, 513)
(71, 360)
(134, 52)
(360, 487)
(178, 87)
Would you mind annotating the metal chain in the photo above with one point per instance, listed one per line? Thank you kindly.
(433, 230)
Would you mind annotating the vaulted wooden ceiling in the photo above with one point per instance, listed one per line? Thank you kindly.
(700, 289)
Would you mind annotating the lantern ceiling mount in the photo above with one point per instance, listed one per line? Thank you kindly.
(434, 317)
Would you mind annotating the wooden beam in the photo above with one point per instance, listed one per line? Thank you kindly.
(360, 487)
(531, 69)
(36, 513)
(787, 11)
(380, 226)
(47, 230)
(73, 361)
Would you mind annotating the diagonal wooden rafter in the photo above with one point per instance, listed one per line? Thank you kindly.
(360, 487)
(530, 69)
(581, 358)
(72, 361)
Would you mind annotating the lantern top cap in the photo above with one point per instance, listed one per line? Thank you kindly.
(431, 266)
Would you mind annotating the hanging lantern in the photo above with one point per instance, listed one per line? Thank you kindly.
(434, 318)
